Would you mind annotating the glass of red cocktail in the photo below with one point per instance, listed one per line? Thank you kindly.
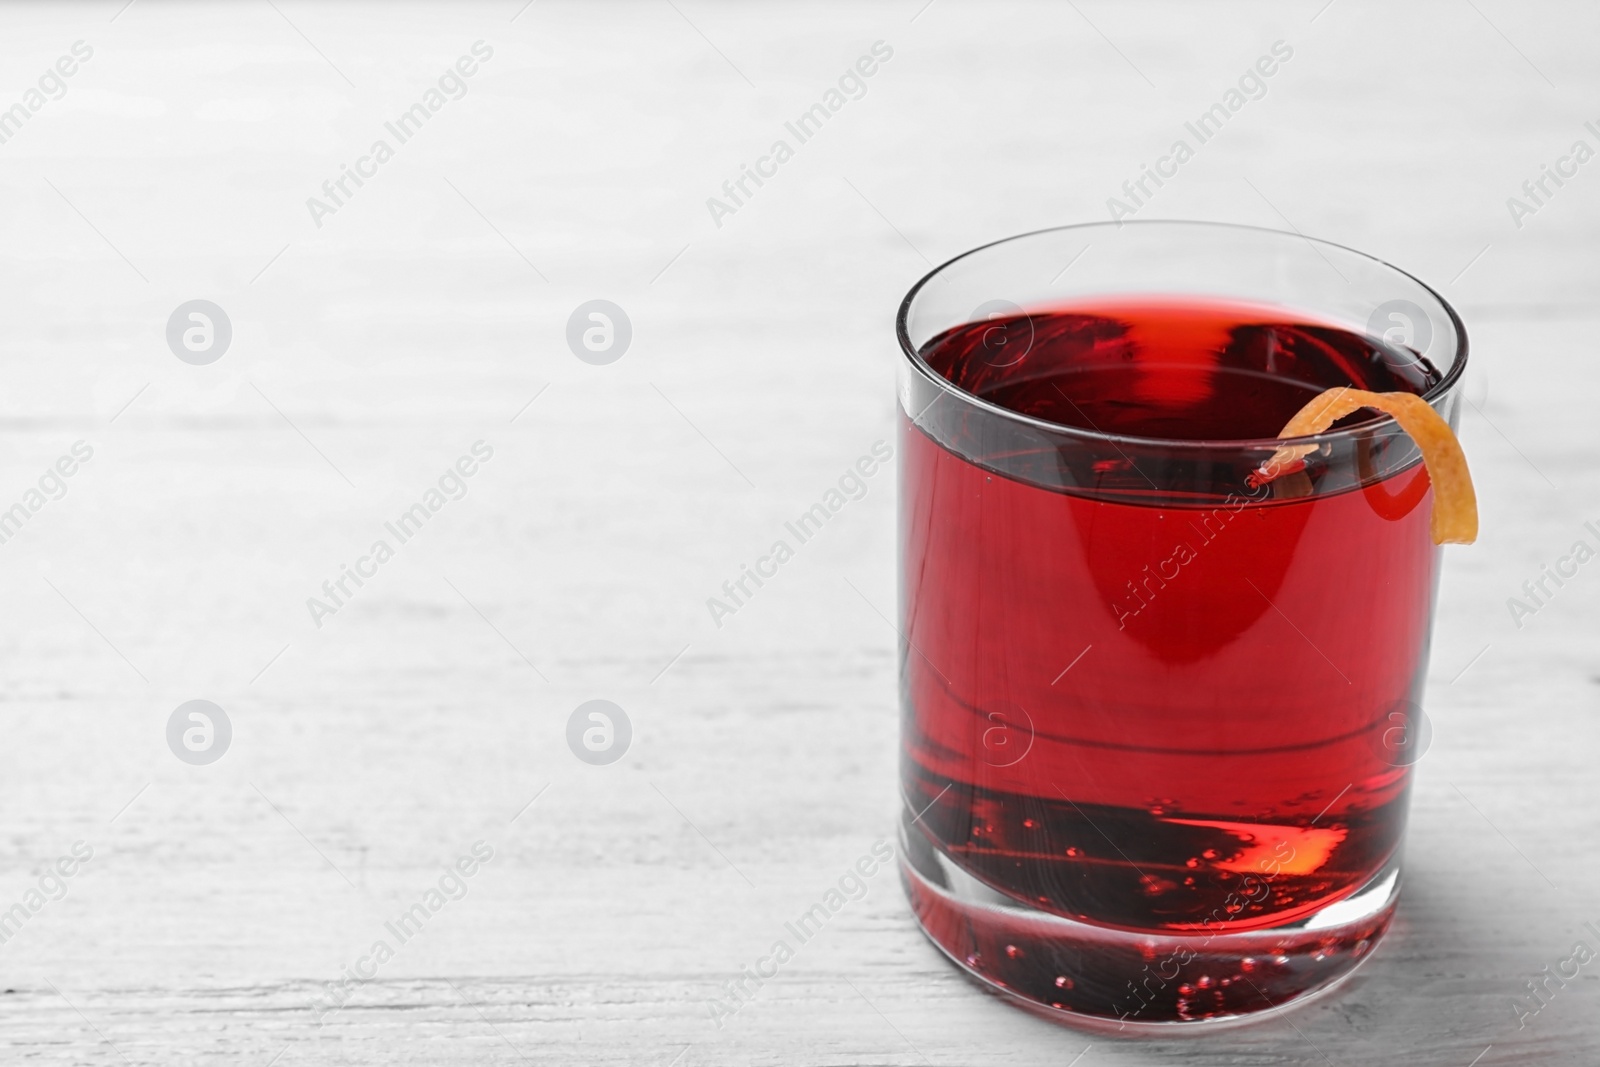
(1159, 710)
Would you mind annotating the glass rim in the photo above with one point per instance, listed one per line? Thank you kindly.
(914, 358)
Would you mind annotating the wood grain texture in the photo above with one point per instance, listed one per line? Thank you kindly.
(371, 352)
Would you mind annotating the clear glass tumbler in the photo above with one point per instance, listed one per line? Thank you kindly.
(1159, 719)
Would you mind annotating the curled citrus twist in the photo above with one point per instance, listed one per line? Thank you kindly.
(1455, 504)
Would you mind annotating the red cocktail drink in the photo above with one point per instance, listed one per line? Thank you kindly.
(1158, 713)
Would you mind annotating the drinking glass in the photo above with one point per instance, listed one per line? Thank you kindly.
(1159, 722)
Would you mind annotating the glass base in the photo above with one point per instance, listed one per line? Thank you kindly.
(1155, 981)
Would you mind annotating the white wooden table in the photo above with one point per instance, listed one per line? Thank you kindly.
(430, 309)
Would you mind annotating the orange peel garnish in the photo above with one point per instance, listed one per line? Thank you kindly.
(1455, 504)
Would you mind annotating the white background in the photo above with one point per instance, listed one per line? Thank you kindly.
(369, 353)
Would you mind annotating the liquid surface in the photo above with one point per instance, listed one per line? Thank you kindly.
(1161, 718)
(1171, 370)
